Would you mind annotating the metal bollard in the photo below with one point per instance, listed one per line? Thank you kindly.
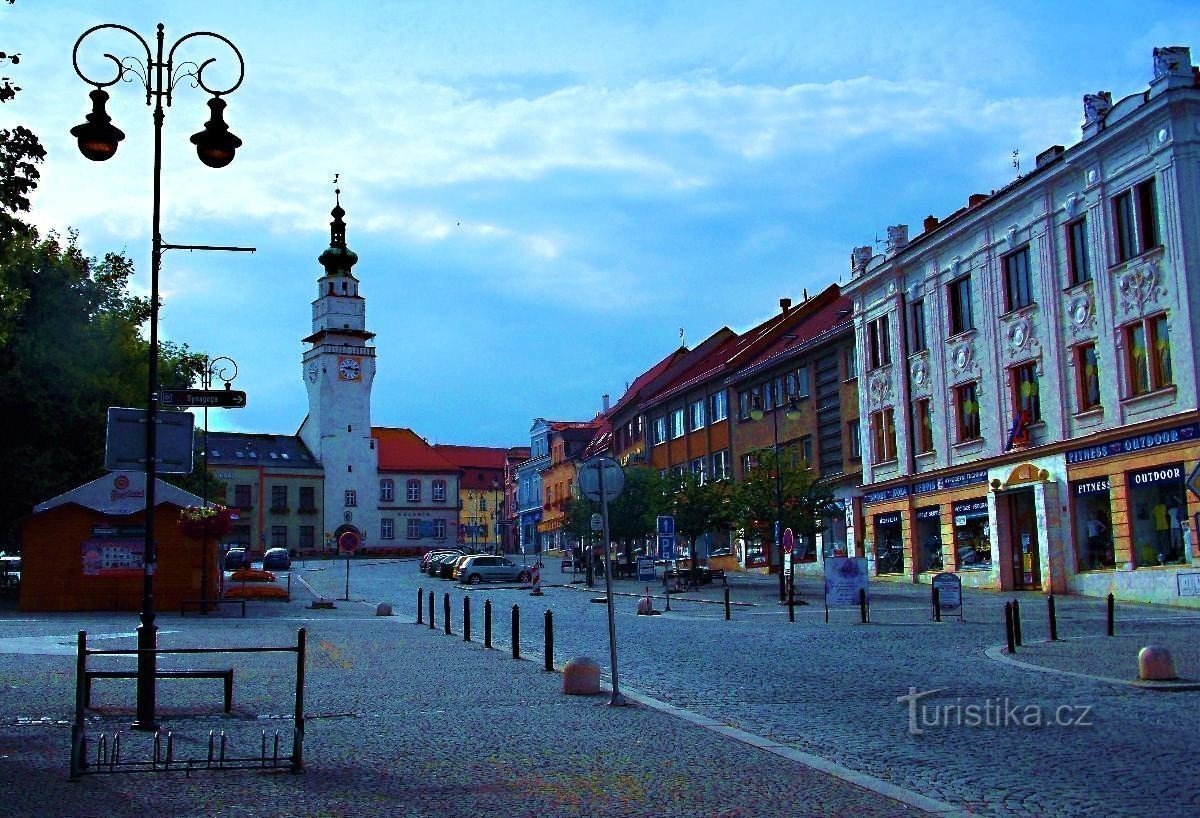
(791, 604)
(1053, 618)
(1016, 617)
(937, 605)
(1008, 628)
(446, 612)
(466, 619)
(487, 623)
(420, 606)
(516, 632)
(549, 627)
(432, 625)
(863, 611)
(727, 617)
(1112, 612)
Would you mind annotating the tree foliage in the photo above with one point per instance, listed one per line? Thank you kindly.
(802, 503)
(701, 507)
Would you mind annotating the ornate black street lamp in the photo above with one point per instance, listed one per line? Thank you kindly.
(215, 146)
(757, 413)
(222, 369)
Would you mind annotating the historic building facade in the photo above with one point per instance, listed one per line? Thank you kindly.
(1028, 368)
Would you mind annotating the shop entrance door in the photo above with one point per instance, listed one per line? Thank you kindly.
(1023, 541)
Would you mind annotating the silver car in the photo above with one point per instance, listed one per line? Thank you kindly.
(482, 568)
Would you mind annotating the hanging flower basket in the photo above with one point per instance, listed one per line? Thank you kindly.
(199, 522)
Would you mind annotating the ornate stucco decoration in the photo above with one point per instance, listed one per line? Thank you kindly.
(1011, 235)
(922, 379)
(1073, 204)
(880, 388)
(1139, 286)
(962, 360)
(1081, 314)
(1020, 337)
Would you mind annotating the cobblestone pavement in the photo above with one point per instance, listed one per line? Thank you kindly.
(402, 721)
(986, 736)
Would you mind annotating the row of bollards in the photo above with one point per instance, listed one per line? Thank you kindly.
(1012, 619)
(487, 623)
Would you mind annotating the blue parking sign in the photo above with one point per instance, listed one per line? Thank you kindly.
(666, 545)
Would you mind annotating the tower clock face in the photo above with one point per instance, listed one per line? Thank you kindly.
(349, 369)
(312, 373)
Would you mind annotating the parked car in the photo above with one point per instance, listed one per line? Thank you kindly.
(435, 564)
(483, 568)
(236, 558)
(447, 566)
(437, 552)
(276, 559)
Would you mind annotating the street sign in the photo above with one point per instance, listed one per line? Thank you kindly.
(589, 478)
(348, 542)
(125, 445)
(645, 569)
(597, 522)
(666, 546)
(789, 540)
(1193, 481)
(666, 524)
(222, 398)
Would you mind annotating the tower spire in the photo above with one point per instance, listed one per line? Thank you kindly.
(338, 258)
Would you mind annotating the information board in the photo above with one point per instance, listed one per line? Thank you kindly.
(845, 577)
(645, 569)
(949, 588)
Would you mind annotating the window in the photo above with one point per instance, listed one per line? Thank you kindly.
(1148, 355)
(279, 500)
(966, 397)
(698, 469)
(439, 491)
(959, 293)
(1157, 503)
(854, 435)
(387, 490)
(803, 387)
(879, 347)
(677, 423)
(413, 491)
(1025, 396)
(439, 529)
(240, 535)
(719, 410)
(1077, 254)
(1018, 289)
(883, 435)
(307, 499)
(916, 325)
(659, 430)
(1135, 219)
(748, 463)
(851, 363)
(972, 545)
(929, 537)
(279, 536)
(1087, 376)
(923, 426)
(413, 531)
(720, 469)
(308, 537)
(696, 415)
(241, 496)
(387, 528)
(1091, 512)
(483, 502)
(806, 455)
(351, 498)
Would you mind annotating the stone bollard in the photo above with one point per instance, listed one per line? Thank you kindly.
(1155, 664)
(383, 609)
(581, 677)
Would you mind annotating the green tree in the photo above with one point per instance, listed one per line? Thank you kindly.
(632, 515)
(72, 348)
(699, 508)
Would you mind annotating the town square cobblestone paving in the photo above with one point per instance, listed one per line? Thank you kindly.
(405, 720)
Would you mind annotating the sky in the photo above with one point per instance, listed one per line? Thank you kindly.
(543, 195)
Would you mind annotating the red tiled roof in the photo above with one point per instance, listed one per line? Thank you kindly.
(472, 457)
(405, 450)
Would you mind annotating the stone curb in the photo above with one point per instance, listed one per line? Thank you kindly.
(999, 653)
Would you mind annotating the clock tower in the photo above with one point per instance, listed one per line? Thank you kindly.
(338, 368)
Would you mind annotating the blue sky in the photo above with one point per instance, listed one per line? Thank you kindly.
(542, 194)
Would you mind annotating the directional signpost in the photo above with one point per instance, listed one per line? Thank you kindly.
(601, 480)
(204, 398)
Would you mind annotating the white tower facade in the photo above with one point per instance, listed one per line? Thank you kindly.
(338, 369)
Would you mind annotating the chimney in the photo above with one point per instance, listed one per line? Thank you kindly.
(785, 304)
(805, 291)
(1095, 108)
(859, 259)
(930, 223)
(976, 199)
(897, 239)
(604, 402)
(1049, 155)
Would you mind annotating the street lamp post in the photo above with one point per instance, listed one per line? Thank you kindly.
(757, 413)
(223, 369)
(98, 139)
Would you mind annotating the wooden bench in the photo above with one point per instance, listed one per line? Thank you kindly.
(214, 673)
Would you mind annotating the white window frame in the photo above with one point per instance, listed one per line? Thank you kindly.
(387, 528)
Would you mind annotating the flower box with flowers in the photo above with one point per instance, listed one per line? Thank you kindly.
(212, 521)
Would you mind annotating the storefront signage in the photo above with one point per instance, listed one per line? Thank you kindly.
(1098, 486)
(954, 481)
(1167, 437)
(929, 513)
(1169, 473)
(969, 509)
(1188, 584)
(892, 518)
(894, 493)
